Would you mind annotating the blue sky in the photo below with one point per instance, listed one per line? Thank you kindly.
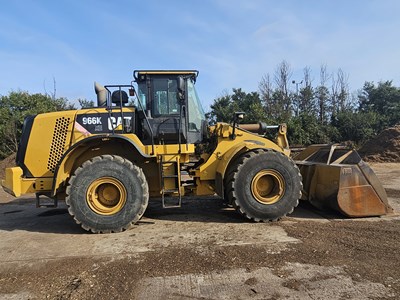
(232, 43)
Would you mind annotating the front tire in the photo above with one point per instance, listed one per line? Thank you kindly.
(264, 185)
(107, 194)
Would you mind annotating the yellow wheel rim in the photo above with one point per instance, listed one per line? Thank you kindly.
(106, 196)
(268, 186)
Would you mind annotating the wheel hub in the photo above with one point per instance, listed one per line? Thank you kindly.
(268, 186)
(106, 196)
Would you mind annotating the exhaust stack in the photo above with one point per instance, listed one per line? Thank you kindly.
(101, 93)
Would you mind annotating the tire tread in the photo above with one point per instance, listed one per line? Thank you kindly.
(127, 163)
(236, 169)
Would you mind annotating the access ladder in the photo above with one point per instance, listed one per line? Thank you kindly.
(170, 175)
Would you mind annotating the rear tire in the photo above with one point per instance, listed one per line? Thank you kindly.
(107, 194)
(264, 185)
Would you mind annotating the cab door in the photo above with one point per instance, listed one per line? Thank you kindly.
(165, 110)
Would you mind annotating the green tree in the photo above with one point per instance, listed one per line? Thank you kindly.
(305, 129)
(307, 100)
(13, 110)
(383, 99)
(356, 126)
(322, 113)
(86, 103)
(322, 96)
(223, 108)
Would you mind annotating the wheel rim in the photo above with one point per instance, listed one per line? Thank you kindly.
(268, 186)
(106, 196)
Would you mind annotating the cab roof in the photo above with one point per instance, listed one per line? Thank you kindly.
(137, 73)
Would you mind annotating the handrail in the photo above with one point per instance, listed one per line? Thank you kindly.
(109, 108)
(147, 122)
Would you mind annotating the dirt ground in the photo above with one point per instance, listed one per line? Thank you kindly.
(203, 250)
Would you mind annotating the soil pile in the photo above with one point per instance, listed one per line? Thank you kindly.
(385, 147)
(6, 163)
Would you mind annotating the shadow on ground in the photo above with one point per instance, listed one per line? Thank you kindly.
(21, 214)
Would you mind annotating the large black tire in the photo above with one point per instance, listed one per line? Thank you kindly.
(263, 185)
(107, 194)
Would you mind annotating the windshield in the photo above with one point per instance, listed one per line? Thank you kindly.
(196, 113)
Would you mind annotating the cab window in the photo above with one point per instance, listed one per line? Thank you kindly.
(165, 97)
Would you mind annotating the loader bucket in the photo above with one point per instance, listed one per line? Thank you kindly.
(335, 177)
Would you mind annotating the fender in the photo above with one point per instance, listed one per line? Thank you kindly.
(231, 153)
(228, 147)
(225, 161)
(64, 166)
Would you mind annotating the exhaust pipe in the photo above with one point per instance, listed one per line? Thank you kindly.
(101, 93)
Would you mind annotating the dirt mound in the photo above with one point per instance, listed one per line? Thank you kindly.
(385, 147)
(6, 163)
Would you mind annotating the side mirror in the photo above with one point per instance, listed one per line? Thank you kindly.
(238, 115)
(181, 88)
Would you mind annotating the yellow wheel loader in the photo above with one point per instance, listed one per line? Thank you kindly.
(107, 161)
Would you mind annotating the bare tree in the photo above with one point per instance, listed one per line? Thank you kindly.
(322, 94)
(266, 92)
(53, 94)
(334, 95)
(306, 97)
(282, 76)
(307, 76)
(340, 91)
(343, 89)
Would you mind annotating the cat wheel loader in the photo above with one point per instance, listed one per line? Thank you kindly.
(107, 161)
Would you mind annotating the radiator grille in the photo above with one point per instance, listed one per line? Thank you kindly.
(58, 142)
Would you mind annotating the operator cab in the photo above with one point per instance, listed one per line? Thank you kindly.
(172, 112)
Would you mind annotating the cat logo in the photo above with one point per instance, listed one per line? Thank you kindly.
(114, 122)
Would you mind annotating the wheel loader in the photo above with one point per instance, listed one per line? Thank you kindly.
(150, 139)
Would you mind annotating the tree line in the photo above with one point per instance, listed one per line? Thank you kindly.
(321, 110)
(316, 111)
